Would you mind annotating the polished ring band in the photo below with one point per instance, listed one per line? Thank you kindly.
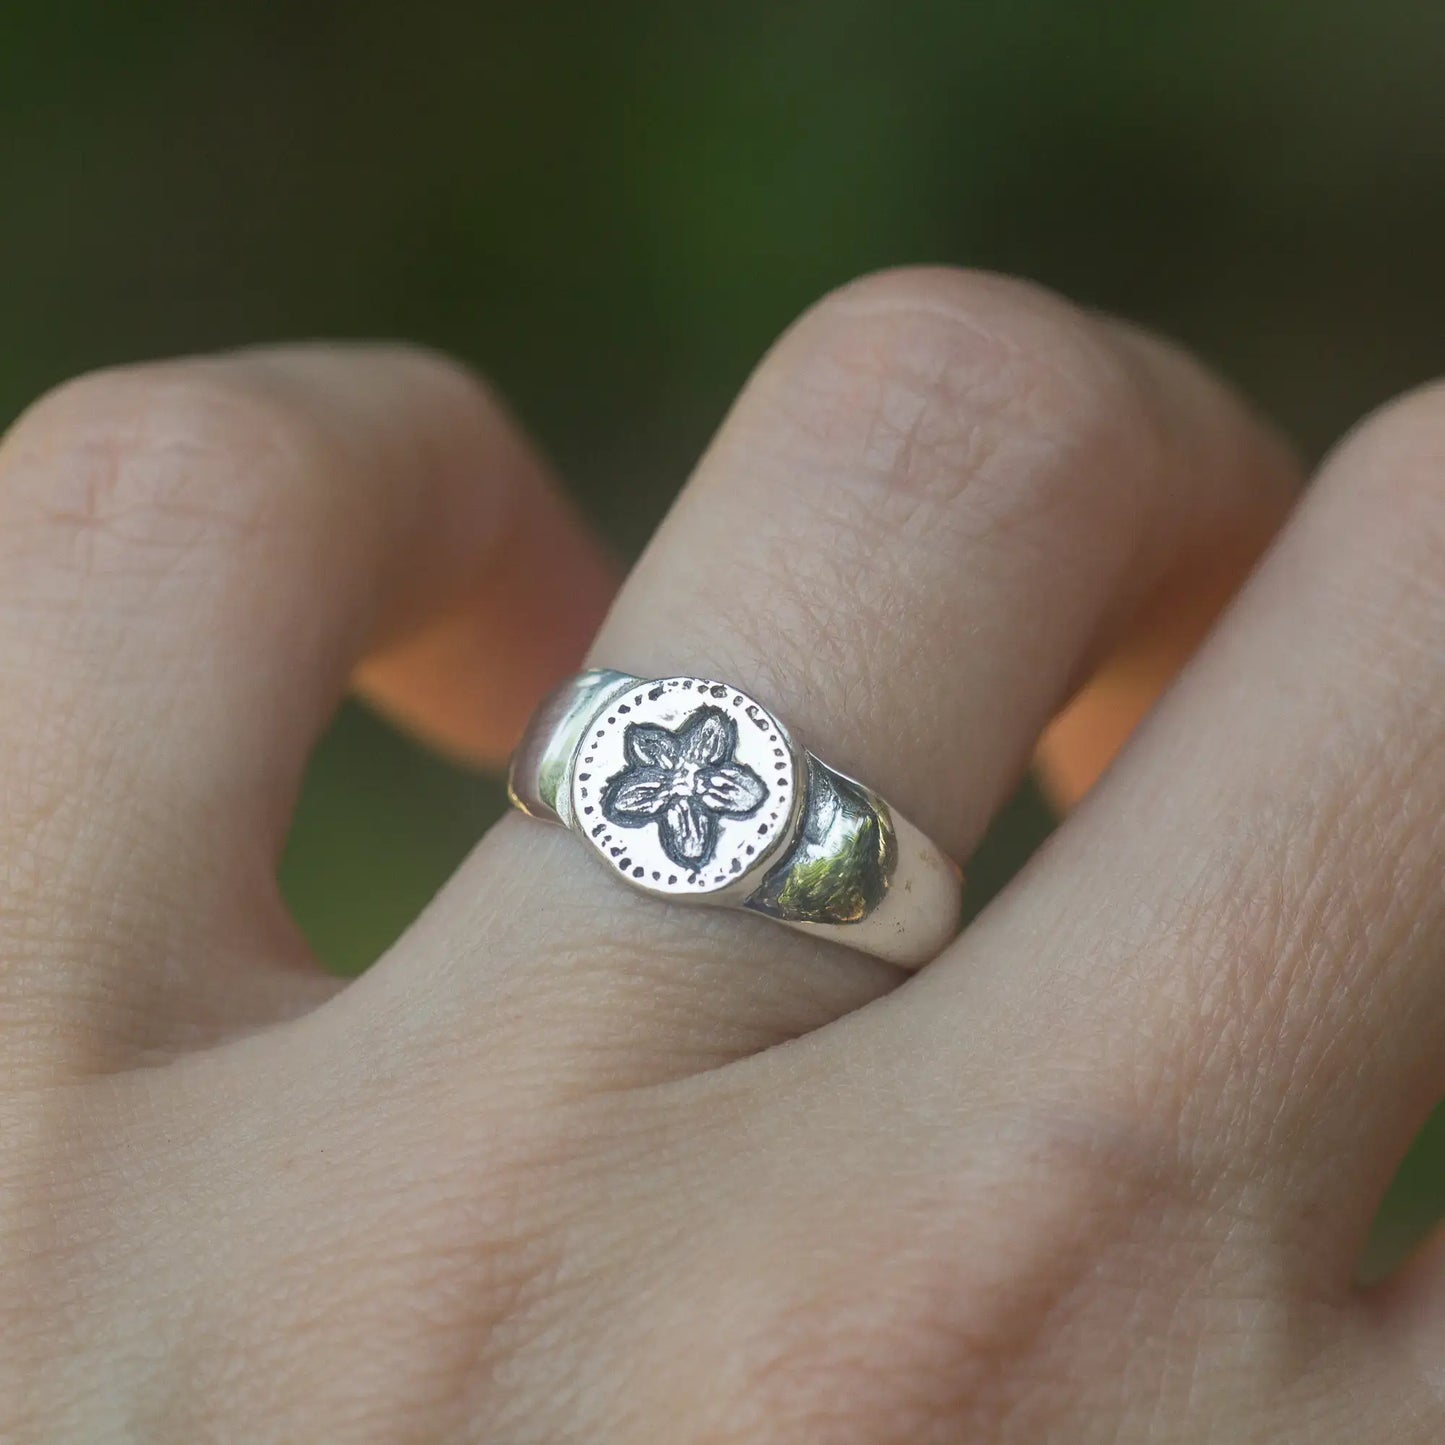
(691, 791)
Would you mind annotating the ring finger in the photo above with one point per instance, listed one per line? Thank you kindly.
(936, 501)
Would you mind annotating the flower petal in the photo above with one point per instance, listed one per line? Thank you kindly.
(734, 789)
(649, 746)
(688, 832)
(709, 738)
(637, 795)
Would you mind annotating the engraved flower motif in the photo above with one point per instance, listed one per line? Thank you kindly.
(685, 782)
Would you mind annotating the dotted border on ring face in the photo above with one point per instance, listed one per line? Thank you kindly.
(775, 760)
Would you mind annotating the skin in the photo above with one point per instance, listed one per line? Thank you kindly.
(572, 1165)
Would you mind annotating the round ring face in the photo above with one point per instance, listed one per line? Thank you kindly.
(684, 786)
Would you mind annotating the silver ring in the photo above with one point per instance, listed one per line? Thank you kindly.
(691, 791)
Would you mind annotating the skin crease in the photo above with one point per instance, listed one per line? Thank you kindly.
(569, 1164)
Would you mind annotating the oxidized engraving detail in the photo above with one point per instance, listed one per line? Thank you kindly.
(684, 781)
(685, 786)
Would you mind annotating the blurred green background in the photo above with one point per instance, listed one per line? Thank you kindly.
(612, 209)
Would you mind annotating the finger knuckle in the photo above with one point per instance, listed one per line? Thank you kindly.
(939, 1309)
(953, 385)
(1396, 458)
(893, 1338)
(152, 461)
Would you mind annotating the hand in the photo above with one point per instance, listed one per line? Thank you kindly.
(572, 1165)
